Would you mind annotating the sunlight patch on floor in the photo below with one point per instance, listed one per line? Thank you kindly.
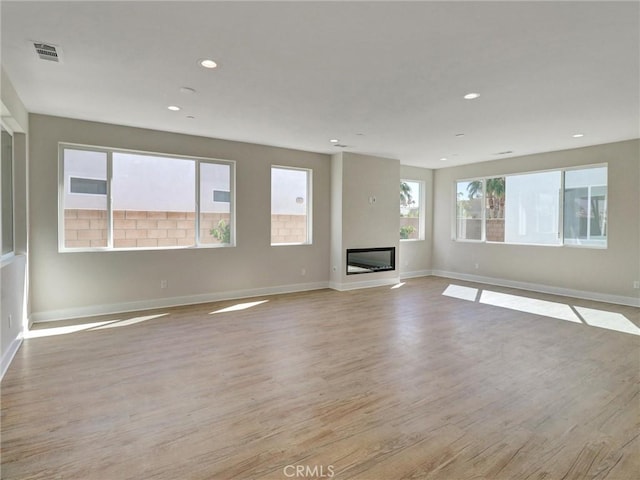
(93, 326)
(53, 331)
(463, 293)
(545, 308)
(609, 320)
(131, 321)
(238, 306)
(397, 285)
(561, 311)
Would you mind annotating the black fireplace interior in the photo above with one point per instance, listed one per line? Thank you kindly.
(369, 260)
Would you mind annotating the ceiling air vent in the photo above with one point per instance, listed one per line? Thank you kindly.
(46, 51)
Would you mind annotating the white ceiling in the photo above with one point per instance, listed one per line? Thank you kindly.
(386, 78)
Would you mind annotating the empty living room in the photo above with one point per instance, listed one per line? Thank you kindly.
(359, 240)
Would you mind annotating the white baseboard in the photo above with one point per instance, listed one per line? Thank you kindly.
(536, 287)
(94, 310)
(381, 282)
(415, 274)
(7, 357)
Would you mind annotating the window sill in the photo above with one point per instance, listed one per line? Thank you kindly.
(142, 249)
(7, 259)
(11, 258)
(290, 244)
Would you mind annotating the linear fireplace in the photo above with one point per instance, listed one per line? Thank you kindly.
(369, 260)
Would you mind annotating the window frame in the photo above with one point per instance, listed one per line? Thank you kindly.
(561, 207)
(309, 207)
(421, 210)
(109, 151)
(7, 256)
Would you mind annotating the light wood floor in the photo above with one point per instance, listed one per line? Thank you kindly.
(373, 384)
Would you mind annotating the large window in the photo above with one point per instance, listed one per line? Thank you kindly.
(113, 199)
(411, 210)
(557, 207)
(290, 206)
(6, 158)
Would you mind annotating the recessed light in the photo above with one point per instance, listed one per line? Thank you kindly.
(578, 135)
(207, 63)
(471, 96)
(443, 159)
(187, 90)
(173, 108)
(334, 140)
(190, 117)
(459, 134)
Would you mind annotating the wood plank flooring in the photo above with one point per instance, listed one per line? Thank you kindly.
(372, 384)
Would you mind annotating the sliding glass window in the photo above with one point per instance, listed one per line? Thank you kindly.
(469, 210)
(532, 208)
(558, 207)
(585, 207)
(114, 199)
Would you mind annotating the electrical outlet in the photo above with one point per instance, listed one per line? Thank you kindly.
(477, 266)
(10, 320)
(636, 284)
(164, 283)
(303, 271)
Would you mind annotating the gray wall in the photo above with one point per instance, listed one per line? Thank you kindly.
(608, 272)
(68, 284)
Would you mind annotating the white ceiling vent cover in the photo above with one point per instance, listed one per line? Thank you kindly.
(46, 51)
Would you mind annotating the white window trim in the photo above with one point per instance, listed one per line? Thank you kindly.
(562, 170)
(8, 257)
(309, 222)
(109, 153)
